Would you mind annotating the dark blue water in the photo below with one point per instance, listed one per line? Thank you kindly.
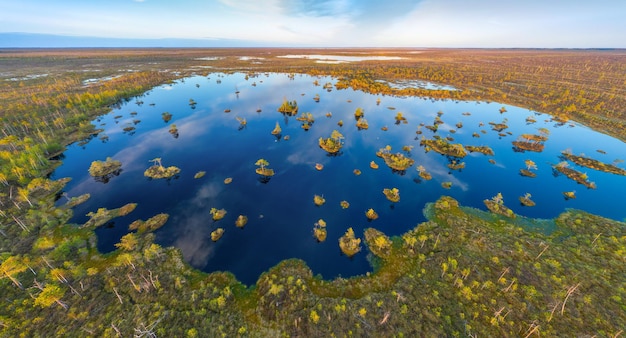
(281, 212)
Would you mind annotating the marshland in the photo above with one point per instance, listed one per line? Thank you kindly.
(447, 263)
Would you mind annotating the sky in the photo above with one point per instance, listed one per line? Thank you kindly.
(321, 23)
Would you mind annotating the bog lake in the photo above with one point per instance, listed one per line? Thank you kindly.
(280, 210)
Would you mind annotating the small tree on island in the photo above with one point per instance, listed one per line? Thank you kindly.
(159, 171)
(262, 170)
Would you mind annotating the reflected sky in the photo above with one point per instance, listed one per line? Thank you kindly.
(281, 212)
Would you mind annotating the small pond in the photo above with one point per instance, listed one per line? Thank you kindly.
(281, 213)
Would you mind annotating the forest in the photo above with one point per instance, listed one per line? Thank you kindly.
(464, 272)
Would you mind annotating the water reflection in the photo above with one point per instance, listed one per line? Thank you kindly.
(280, 210)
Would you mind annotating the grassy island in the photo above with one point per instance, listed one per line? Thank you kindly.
(104, 168)
(443, 147)
(333, 144)
(159, 171)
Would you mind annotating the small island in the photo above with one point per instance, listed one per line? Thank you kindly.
(349, 245)
(371, 214)
(217, 234)
(288, 107)
(159, 171)
(319, 230)
(333, 144)
(262, 170)
(241, 221)
(104, 168)
(217, 214)
(496, 205)
(151, 224)
(392, 194)
(398, 161)
(443, 147)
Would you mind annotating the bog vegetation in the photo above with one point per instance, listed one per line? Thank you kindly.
(462, 273)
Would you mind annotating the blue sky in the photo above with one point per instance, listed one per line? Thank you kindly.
(331, 23)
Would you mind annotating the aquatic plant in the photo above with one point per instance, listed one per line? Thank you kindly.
(526, 201)
(166, 117)
(357, 172)
(316, 98)
(446, 185)
(373, 165)
(333, 144)
(262, 170)
(496, 205)
(288, 107)
(318, 200)
(217, 214)
(104, 168)
(241, 221)
(199, 174)
(217, 234)
(277, 130)
(348, 244)
(340, 123)
(319, 230)
(392, 194)
(159, 171)
(371, 214)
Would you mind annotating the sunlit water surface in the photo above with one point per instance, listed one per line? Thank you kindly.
(281, 212)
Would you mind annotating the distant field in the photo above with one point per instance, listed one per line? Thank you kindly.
(583, 85)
